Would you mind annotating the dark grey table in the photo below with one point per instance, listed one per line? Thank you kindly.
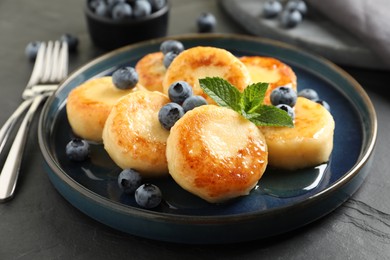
(40, 224)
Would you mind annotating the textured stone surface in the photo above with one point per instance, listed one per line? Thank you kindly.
(39, 224)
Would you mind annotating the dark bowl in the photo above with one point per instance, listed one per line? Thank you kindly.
(110, 34)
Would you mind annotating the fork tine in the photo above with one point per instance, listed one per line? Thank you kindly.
(63, 62)
(54, 72)
(38, 66)
(65, 55)
(47, 66)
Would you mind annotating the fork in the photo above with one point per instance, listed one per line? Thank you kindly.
(50, 68)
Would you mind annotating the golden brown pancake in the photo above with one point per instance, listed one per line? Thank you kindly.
(133, 136)
(199, 62)
(89, 104)
(270, 70)
(151, 71)
(309, 143)
(216, 154)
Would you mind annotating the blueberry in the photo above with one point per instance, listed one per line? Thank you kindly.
(272, 8)
(77, 150)
(298, 5)
(171, 46)
(323, 103)
(148, 196)
(121, 11)
(157, 4)
(192, 102)
(129, 180)
(290, 18)
(125, 78)
(206, 22)
(288, 109)
(308, 93)
(112, 3)
(72, 41)
(93, 4)
(101, 9)
(169, 114)
(32, 49)
(142, 8)
(179, 91)
(283, 95)
(168, 58)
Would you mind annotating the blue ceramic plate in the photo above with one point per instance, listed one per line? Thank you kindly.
(282, 201)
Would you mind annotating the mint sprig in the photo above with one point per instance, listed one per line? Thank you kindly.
(248, 103)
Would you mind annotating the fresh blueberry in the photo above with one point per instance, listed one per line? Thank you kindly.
(323, 103)
(290, 18)
(308, 93)
(179, 91)
(129, 180)
(142, 8)
(77, 150)
(169, 114)
(125, 78)
(288, 109)
(121, 11)
(206, 22)
(32, 49)
(148, 196)
(192, 102)
(283, 95)
(298, 5)
(272, 8)
(171, 46)
(99, 7)
(71, 40)
(102, 10)
(112, 3)
(93, 4)
(168, 58)
(157, 4)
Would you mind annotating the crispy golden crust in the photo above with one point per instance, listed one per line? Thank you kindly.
(89, 104)
(309, 143)
(200, 62)
(208, 158)
(151, 71)
(133, 136)
(270, 70)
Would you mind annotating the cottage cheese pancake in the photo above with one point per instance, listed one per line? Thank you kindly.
(133, 137)
(307, 144)
(199, 62)
(216, 154)
(151, 71)
(270, 70)
(89, 104)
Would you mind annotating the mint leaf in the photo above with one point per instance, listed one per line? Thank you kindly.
(270, 116)
(249, 103)
(253, 96)
(222, 92)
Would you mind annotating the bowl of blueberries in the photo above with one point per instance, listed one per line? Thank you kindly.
(116, 23)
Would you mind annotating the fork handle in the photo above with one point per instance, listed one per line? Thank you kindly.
(9, 124)
(10, 171)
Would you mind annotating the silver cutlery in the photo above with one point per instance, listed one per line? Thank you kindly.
(50, 68)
